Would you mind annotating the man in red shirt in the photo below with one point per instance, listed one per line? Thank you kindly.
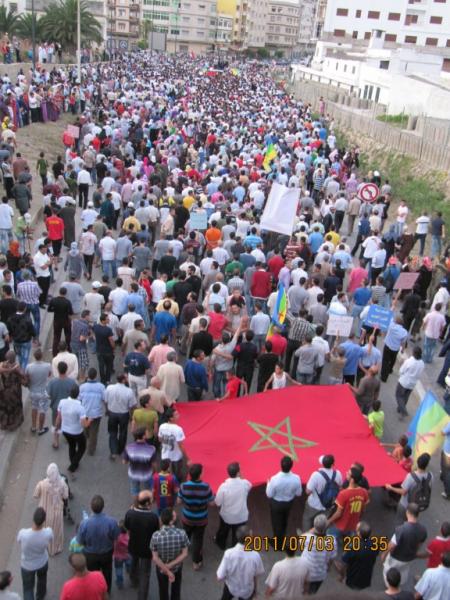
(279, 343)
(350, 504)
(261, 284)
(276, 263)
(439, 546)
(84, 585)
(217, 322)
(55, 228)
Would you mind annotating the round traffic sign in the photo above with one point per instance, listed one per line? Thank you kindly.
(368, 192)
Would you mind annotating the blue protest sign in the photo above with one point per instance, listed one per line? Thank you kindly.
(378, 317)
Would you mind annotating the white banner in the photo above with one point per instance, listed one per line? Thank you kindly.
(280, 210)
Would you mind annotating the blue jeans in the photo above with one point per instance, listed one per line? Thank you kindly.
(119, 564)
(23, 353)
(219, 380)
(28, 581)
(36, 314)
(109, 268)
(429, 347)
(5, 237)
(436, 246)
(356, 311)
(305, 378)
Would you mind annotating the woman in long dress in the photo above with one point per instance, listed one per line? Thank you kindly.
(11, 379)
(51, 492)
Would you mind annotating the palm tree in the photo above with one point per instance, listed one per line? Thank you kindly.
(59, 24)
(8, 21)
(25, 27)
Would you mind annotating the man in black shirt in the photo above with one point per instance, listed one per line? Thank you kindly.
(267, 361)
(62, 311)
(141, 523)
(104, 339)
(8, 304)
(202, 340)
(181, 290)
(167, 263)
(359, 559)
(194, 280)
(21, 330)
(246, 353)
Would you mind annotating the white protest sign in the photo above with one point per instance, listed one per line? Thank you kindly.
(280, 210)
(339, 325)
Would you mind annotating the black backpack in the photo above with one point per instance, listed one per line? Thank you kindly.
(420, 493)
(328, 495)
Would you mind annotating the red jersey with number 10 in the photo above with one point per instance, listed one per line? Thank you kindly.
(55, 227)
(352, 501)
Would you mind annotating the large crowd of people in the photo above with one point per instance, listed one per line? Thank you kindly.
(153, 214)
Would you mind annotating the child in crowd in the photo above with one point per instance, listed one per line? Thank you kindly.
(121, 556)
(165, 487)
(376, 420)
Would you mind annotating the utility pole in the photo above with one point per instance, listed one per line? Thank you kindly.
(33, 34)
(79, 40)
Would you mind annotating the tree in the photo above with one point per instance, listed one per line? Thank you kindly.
(263, 53)
(59, 24)
(8, 21)
(25, 27)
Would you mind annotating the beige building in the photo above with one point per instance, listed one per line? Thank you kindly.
(250, 24)
(306, 23)
(123, 29)
(283, 26)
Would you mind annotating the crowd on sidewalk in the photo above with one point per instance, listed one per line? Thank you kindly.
(157, 203)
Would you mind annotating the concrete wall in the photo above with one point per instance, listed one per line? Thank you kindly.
(429, 141)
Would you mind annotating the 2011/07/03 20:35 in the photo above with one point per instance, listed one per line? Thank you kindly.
(320, 543)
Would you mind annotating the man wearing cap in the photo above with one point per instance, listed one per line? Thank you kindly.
(88, 215)
(41, 263)
(93, 301)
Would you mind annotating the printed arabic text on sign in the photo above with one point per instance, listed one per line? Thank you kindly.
(339, 325)
(378, 317)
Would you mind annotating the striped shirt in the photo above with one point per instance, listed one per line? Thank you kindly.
(139, 456)
(28, 292)
(195, 496)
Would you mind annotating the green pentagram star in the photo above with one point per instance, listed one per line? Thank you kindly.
(267, 432)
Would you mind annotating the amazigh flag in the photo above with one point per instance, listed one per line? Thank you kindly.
(271, 153)
(425, 431)
(279, 310)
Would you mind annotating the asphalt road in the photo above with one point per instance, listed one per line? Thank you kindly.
(98, 474)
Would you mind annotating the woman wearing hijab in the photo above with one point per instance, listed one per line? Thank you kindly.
(11, 379)
(74, 261)
(51, 493)
(424, 280)
(13, 256)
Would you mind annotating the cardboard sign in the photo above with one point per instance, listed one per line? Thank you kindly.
(339, 325)
(378, 317)
(199, 220)
(280, 210)
(406, 281)
(73, 131)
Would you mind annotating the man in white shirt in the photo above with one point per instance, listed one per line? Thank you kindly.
(159, 288)
(409, 374)
(128, 320)
(281, 490)
(259, 324)
(370, 245)
(323, 352)
(172, 437)
(288, 579)
(66, 357)
(93, 301)
(107, 249)
(240, 568)
(118, 298)
(315, 487)
(435, 582)
(41, 263)
(83, 181)
(231, 498)
(422, 225)
(6, 217)
(88, 215)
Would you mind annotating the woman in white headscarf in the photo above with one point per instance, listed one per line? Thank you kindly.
(51, 492)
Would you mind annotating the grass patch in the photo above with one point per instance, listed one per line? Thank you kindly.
(396, 120)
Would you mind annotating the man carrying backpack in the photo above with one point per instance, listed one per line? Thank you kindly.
(322, 489)
(416, 488)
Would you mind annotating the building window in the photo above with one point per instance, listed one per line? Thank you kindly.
(373, 14)
(436, 20)
(390, 37)
(448, 44)
(355, 35)
(394, 17)
(345, 68)
(339, 32)
(411, 19)
(384, 64)
(121, 26)
(358, 14)
(353, 70)
(367, 35)
(441, 1)
(410, 39)
(431, 42)
(446, 65)
(342, 12)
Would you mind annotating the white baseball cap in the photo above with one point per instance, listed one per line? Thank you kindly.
(96, 285)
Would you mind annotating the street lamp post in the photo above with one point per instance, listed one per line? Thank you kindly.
(79, 40)
(33, 34)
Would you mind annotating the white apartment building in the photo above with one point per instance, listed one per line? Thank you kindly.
(282, 29)
(189, 25)
(412, 22)
(307, 11)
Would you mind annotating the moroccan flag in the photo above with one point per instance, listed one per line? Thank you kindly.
(301, 422)
(425, 431)
(279, 310)
(271, 153)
